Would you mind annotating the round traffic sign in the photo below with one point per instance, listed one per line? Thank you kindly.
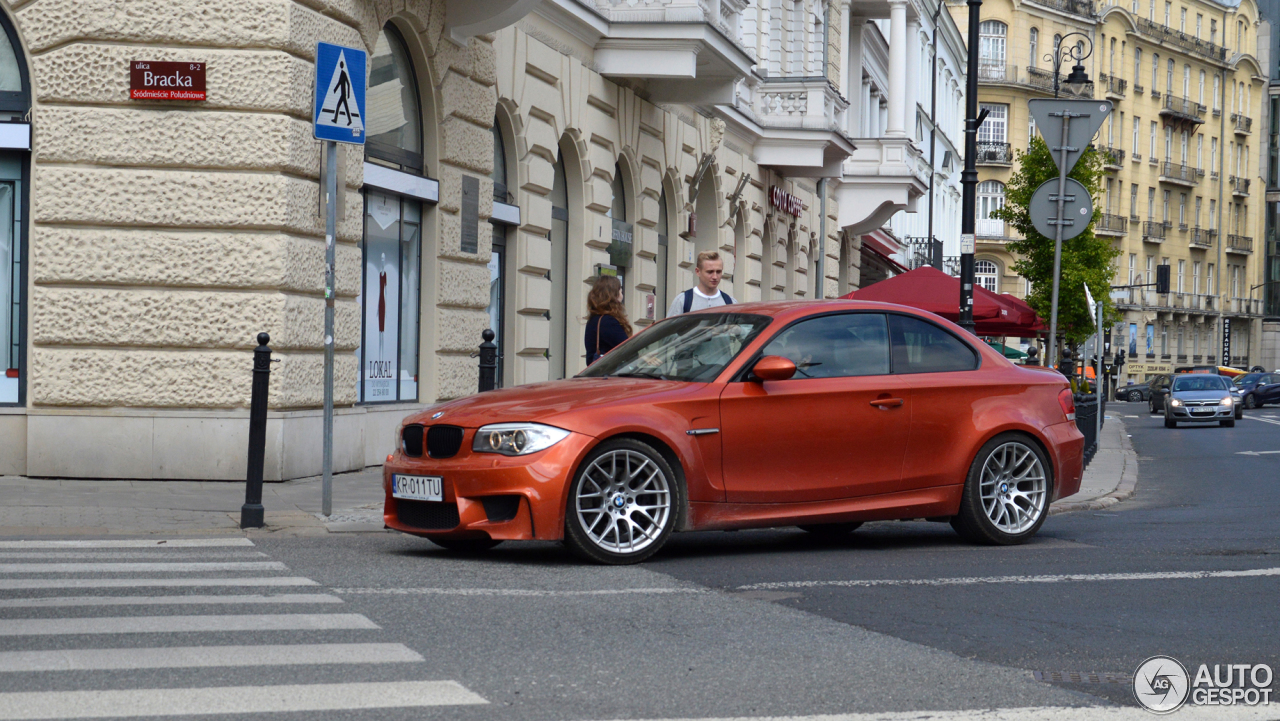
(1077, 210)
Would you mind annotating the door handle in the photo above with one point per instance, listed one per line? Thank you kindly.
(884, 403)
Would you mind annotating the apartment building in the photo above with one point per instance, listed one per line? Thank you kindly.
(1182, 159)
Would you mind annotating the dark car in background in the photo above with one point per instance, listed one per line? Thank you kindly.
(1200, 398)
(1158, 390)
(1134, 392)
(1258, 389)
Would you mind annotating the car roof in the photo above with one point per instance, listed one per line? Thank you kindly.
(796, 308)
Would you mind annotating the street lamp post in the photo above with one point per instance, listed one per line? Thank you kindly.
(969, 177)
(1076, 81)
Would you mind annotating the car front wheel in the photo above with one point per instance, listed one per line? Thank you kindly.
(1250, 402)
(1135, 396)
(623, 504)
(1006, 495)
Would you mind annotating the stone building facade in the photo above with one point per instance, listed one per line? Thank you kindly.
(515, 150)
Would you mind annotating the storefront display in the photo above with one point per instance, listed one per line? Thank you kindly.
(389, 344)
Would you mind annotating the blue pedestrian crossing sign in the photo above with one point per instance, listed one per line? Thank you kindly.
(339, 100)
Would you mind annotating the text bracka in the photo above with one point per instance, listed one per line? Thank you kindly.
(176, 80)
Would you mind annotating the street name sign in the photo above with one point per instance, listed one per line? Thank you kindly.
(338, 114)
(153, 80)
(1077, 210)
(1086, 119)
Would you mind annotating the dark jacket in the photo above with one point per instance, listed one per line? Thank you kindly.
(611, 335)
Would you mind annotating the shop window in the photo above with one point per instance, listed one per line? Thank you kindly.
(392, 255)
(15, 101)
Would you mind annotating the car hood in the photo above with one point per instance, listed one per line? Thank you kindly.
(563, 403)
(1201, 395)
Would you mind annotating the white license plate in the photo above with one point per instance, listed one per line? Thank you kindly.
(418, 488)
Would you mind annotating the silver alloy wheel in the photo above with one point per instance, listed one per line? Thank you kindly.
(1013, 488)
(623, 502)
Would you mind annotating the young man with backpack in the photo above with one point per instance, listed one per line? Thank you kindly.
(707, 293)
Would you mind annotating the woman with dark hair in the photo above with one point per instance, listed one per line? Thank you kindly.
(607, 327)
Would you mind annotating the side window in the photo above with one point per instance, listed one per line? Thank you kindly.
(835, 346)
(922, 347)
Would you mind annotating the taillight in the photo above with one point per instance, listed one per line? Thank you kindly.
(1068, 404)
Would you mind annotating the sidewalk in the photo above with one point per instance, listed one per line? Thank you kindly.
(1110, 477)
(46, 507)
(40, 506)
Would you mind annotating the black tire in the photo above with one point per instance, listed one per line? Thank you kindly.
(1170, 423)
(591, 544)
(972, 521)
(464, 545)
(1228, 424)
(1250, 402)
(1135, 396)
(830, 531)
(1153, 405)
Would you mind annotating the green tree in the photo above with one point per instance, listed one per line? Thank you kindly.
(1086, 259)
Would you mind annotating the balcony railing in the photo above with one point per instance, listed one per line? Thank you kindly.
(1241, 244)
(996, 72)
(1243, 125)
(921, 250)
(1182, 109)
(1114, 86)
(989, 228)
(1171, 172)
(1043, 80)
(1083, 8)
(1189, 43)
(1153, 231)
(1239, 186)
(1201, 238)
(991, 153)
(1111, 157)
(1111, 224)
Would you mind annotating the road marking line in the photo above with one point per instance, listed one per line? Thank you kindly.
(19, 584)
(105, 543)
(1043, 713)
(232, 700)
(508, 591)
(116, 659)
(1255, 453)
(1264, 420)
(185, 624)
(141, 567)
(154, 555)
(65, 601)
(971, 581)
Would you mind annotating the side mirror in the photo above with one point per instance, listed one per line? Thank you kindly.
(773, 368)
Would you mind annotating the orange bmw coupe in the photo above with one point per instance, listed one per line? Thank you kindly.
(818, 414)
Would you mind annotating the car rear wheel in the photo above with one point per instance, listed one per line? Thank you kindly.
(1135, 396)
(1170, 423)
(465, 545)
(831, 531)
(1006, 495)
(1228, 424)
(1250, 402)
(623, 504)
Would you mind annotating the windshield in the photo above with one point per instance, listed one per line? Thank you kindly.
(1247, 379)
(684, 348)
(1200, 383)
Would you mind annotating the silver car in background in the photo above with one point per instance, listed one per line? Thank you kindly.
(1200, 397)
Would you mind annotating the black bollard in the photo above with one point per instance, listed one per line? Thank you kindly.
(1032, 354)
(251, 513)
(488, 362)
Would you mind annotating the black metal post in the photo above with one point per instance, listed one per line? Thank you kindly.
(488, 362)
(251, 513)
(969, 177)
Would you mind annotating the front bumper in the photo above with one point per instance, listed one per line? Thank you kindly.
(505, 498)
(1202, 413)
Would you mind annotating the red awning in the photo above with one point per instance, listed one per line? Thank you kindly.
(930, 289)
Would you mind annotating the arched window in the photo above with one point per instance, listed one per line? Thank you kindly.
(498, 275)
(395, 115)
(1034, 47)
(559, 237)
(392, 243)
(620, 241)
(660, 284)
(987, 275)
(990, 199)
(992, 37)
(15, 101)
(499, 174)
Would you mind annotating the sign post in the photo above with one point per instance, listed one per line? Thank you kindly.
(337, 117)
(1056, 115)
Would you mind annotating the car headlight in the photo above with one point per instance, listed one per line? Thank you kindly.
(1228, 401)
(516, 439)
(1175, 402)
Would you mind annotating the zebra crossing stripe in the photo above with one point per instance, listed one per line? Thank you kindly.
(108, 543)
(22, 584)
(299, 698)
(70, 601)
(185, 624)
(11, 568)
(117, 659)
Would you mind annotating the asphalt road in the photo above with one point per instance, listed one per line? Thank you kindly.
(900, 617)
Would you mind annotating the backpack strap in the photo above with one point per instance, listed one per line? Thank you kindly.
(725, 297)
(688, 300)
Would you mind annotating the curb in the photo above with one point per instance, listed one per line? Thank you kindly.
(1124, 489)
